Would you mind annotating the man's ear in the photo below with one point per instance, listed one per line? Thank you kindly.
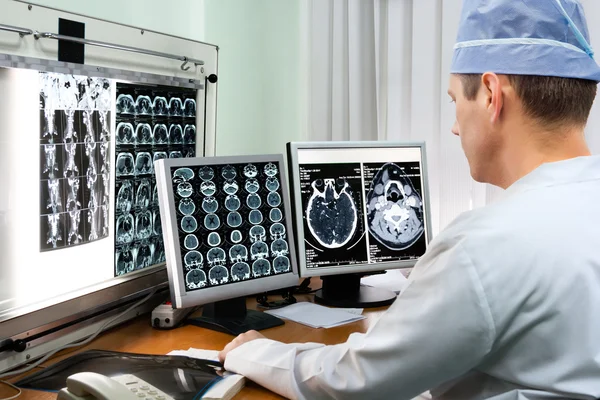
(494, 97)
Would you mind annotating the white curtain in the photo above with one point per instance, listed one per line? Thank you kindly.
(379, 71)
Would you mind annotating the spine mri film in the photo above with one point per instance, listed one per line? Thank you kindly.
(75, 165)
(358, 213)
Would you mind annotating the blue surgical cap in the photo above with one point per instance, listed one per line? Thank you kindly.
(524, 37)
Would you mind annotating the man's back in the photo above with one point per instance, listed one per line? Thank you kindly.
(538, 259)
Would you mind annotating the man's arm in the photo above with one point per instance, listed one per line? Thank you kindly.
(439, 328)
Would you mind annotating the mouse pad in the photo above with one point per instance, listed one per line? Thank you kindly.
(180, 377)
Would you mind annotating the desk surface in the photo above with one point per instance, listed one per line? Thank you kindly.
(137, 336)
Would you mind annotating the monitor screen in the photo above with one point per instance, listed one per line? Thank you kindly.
(227, 227)
(359, 206)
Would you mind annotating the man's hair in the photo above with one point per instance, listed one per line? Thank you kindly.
(553, 102)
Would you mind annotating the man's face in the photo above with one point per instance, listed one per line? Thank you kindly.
(473, 126)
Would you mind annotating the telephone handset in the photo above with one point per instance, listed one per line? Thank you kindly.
(93, 386)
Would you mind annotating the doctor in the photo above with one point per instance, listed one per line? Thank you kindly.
(505, 305)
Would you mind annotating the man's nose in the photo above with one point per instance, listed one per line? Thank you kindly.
(455, 128)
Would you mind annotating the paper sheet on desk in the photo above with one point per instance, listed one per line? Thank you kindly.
(393, 280)
(317, 316)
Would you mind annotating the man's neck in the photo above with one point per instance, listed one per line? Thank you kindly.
(527, 152)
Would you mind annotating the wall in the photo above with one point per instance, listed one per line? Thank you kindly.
(181, 18)
(261, 98)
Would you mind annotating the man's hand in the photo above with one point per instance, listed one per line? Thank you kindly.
(237, 342)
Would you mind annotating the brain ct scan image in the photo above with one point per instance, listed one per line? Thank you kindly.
(357, 213)
(231, 222)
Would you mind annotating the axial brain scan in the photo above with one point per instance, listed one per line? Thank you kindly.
(231, 222)
(331, 213)
(394, 209)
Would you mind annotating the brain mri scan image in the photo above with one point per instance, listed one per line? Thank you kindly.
(250, 171)
(258, 234)
(234, 219)
(218, 275)
(212, 222)
(232, 202)
(125, 133)
(206, 173)
(187, 206)
(271, 170)
(213, 239)
(261, 267)
(216, 255)
(331, 213)
(191, 242)
(228, 172)
(253, 201)
(239, 230)
(185, 189)
(230, 187)
(183, 175)
(394, 209)
(252, 186)
(272, 184)
(160, 106)
(281, 264)
(236, 236)
(160, 134)
(208, 188)
(274, 199)
(240, 271)
(275, 215)
(210, 205)
(255, 217)
(193, 259)
(195, 279)
(189, 224)
(238, 252)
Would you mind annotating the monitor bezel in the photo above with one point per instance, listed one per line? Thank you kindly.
(181, 298)
(294, 172)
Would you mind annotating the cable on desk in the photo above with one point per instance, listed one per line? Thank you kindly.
(82, 343)
(14, 387)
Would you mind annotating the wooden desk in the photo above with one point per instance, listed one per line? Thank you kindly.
(137, 336)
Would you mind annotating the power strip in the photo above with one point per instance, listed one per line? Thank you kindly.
(165, 316)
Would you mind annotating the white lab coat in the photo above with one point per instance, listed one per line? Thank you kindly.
(505, 305)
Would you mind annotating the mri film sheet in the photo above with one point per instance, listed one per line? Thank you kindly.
(74, 163)
(333, 218)
(394, 211)
(231, 223)
(152, 123)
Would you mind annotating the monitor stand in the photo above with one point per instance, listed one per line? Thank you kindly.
(232, 317)
(346, 291)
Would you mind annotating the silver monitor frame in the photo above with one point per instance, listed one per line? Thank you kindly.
(181, 298)
(294, 171)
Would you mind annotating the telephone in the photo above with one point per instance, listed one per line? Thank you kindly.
(93, 386)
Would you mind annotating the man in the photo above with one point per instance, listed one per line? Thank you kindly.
(505, 304)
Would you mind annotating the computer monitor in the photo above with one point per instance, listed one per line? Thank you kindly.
(360, 208)
(228, 234)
